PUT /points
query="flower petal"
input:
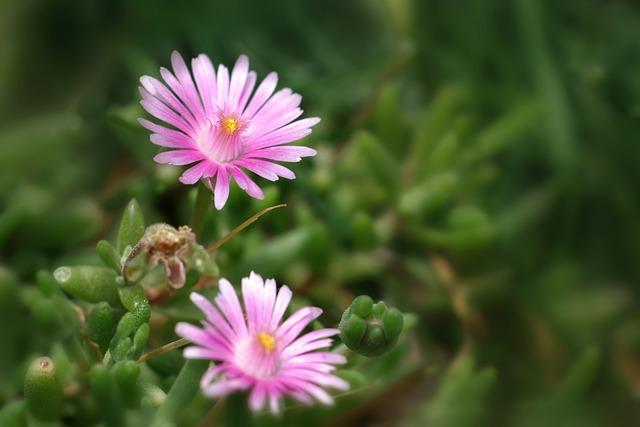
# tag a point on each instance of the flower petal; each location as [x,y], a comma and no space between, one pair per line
[221,192]
[194,173]
[184,77]
[205,77]
[264,91]
[238,79]
[179,157]
[289,153]
[245,182]
[282,302]
[223,86]
[246,91]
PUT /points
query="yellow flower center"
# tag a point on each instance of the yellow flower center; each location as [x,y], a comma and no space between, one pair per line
[268,341]
[230,125]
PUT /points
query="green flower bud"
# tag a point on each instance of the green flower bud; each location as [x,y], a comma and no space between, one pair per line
[100,325]
[131,226]
[108,255]
[107,398]
[43,390]
[91,284]
[370,329]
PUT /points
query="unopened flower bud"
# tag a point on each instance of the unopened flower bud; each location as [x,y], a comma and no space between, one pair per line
[370,329]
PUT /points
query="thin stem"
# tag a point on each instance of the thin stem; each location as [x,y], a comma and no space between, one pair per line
[242,226]
[163,349]
[200,209]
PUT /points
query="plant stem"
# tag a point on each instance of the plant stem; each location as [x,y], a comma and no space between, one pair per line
[200,209]
[242,226]
[163,349]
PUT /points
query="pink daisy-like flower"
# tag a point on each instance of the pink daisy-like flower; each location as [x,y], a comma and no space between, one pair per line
[219,124]
[257,351]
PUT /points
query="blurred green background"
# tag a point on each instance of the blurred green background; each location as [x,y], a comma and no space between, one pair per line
[478,167]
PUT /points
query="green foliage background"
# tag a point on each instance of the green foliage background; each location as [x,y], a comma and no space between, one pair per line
[478,168]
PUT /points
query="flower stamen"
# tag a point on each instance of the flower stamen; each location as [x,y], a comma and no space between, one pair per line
[268,341]
[230,125]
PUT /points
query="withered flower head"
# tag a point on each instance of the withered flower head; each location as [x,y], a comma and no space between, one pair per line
[164,243]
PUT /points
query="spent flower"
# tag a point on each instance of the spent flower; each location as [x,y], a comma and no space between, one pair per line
[168,245]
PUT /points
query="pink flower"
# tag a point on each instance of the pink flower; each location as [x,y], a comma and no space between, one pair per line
[221,126]
[257,351]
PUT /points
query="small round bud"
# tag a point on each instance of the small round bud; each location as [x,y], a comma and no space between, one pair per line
[370,329]
[43,390]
